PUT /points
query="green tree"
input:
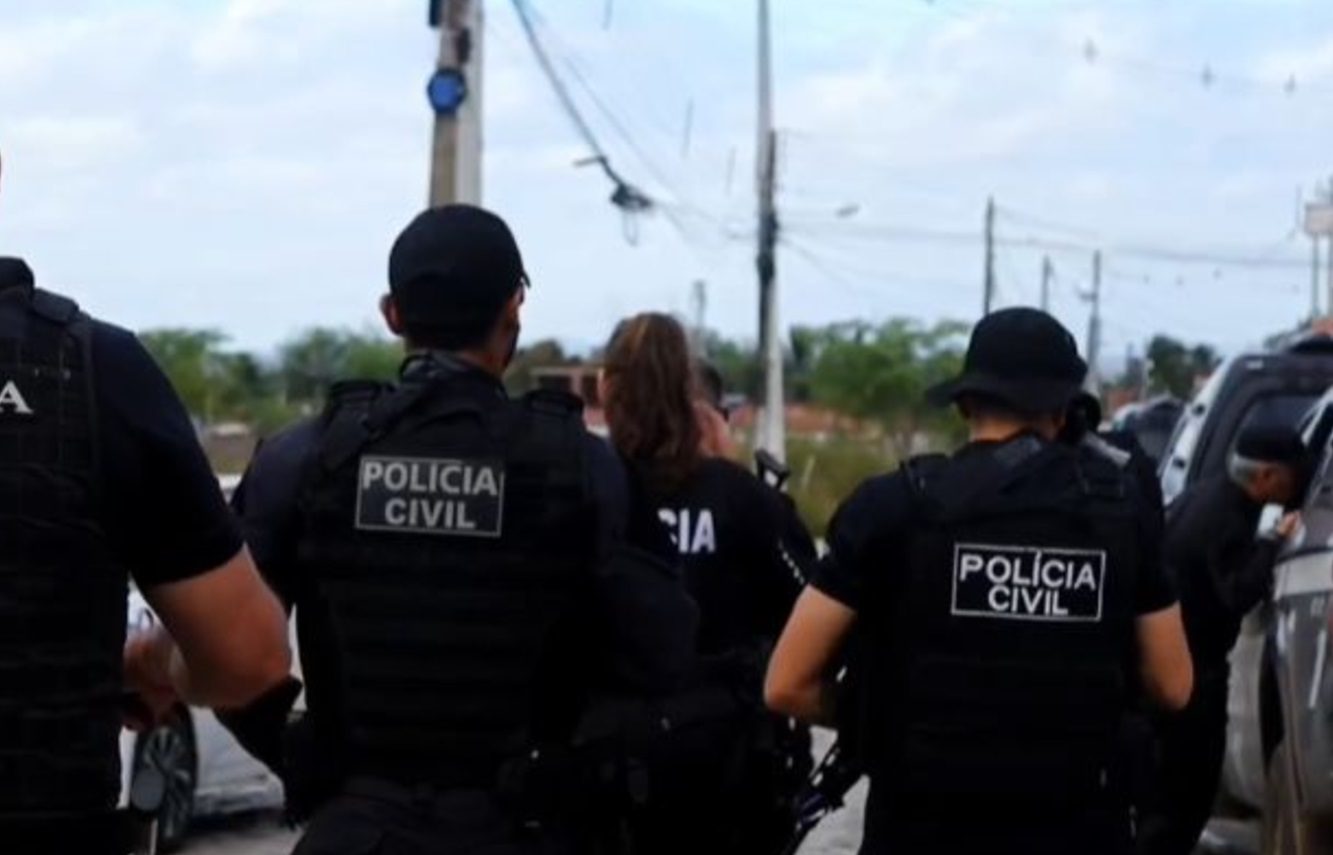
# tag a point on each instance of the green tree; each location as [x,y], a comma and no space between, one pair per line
[881,374]
[737,362]
[319,357]
[196,367]
[1174,366]
[541,354]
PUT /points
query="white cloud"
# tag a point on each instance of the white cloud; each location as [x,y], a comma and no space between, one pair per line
[262,153]
[75,142]
[1305,63]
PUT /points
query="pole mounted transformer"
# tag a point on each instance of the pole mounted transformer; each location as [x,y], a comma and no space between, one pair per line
[454,95]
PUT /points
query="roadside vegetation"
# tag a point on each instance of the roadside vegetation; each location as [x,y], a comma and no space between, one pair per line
[856,389]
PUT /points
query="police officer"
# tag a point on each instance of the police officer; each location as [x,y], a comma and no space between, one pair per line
[102,479]
[1082,425]
[722,776]
[1007,595]
[458,570]
[1223,568]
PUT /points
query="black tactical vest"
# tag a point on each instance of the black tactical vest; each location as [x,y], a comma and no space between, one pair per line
[449,533]
[62,596]
[1000,658]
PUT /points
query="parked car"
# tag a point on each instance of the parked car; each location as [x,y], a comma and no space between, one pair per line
[207,772]
[1275,388]
[1279,757]
[1151,422]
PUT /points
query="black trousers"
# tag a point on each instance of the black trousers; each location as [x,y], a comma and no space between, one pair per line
[381,823]
[1192,745]
[709,792]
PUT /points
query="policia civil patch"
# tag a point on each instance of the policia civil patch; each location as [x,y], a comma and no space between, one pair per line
[424,495]
[1028,583]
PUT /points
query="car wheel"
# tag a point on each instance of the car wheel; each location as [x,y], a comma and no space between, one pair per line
[169,750]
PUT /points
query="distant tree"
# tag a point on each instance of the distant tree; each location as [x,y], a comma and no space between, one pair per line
[881,374]
[541,354]
[195,365]
[372,357]
[737,362]
[310,363]
[1174,366]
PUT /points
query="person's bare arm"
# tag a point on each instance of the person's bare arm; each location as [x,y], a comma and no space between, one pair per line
[228,637]
[798,682]
[1165,666]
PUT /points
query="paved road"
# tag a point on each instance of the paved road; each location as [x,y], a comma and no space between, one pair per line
[257,834]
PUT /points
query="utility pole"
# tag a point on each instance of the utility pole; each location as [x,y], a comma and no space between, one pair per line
[772,433]
[988,299]
[1047,274]
[455,97]
[699,312]
[1328,199]
[1314,277]
[1095,324]
[1319,226]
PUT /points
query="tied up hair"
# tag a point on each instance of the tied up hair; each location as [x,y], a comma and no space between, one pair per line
[650,399]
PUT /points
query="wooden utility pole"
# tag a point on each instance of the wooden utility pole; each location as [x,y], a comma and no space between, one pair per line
[772,432]
[1047,274]
[455,95]
[988,297]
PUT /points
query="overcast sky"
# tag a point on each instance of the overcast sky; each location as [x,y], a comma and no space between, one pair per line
[245,164]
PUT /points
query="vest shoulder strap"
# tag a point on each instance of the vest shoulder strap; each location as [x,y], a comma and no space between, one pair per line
[346,421]
[924,470]
[1100,447]
[54,307]
[952,488]
[554,402]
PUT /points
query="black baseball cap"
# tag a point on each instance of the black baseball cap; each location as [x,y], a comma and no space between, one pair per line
[1021,357]
[1271,444]
[452,269]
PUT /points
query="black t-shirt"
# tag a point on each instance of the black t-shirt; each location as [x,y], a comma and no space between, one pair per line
[871,528]
[164,513]
[1222,569]
[745,552]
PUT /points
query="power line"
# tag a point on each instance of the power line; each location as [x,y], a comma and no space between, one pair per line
[890,232]
[625,196]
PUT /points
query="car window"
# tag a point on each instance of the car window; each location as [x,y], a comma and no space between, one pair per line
[1273,411]
[1175,466]
[1321,487]
[1153,427]
[1316,428]
[1175,463]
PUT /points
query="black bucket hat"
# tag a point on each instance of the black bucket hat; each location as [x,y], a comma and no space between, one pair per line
[1023,358]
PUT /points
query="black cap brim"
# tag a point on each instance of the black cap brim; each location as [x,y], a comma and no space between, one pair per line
[1026,396]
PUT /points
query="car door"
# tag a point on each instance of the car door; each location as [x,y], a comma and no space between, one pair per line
[1245,764]
[1300,643]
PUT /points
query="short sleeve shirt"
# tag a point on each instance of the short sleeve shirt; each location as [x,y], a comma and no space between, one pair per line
[163,510]
[870,529]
